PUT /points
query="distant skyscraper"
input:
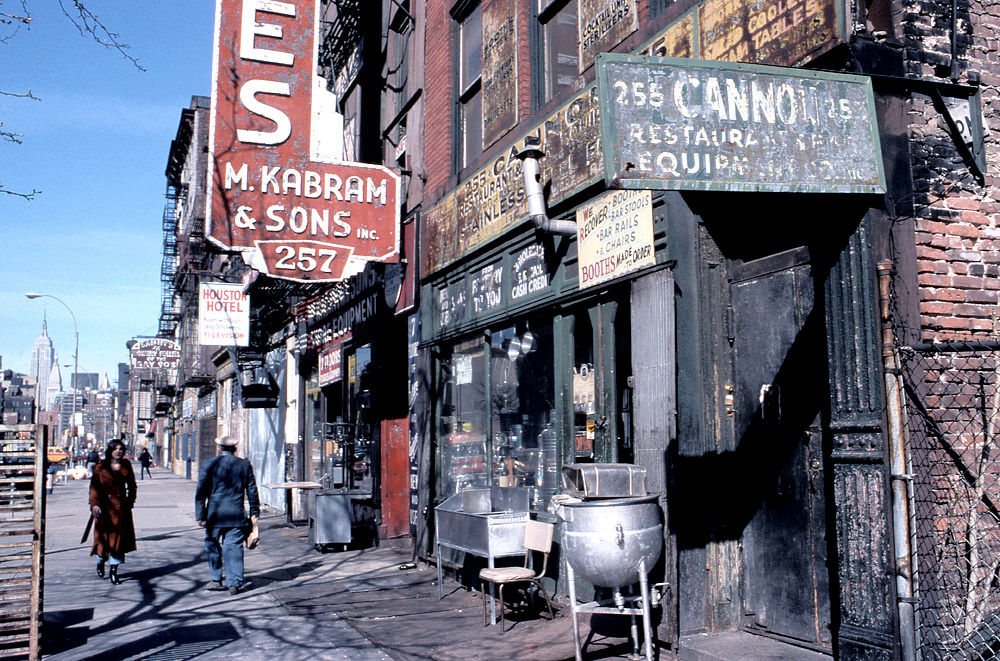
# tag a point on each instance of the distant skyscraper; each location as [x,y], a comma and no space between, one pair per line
[54,386]
[42,357]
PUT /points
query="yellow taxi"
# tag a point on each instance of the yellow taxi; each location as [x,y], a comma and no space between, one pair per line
[57,455]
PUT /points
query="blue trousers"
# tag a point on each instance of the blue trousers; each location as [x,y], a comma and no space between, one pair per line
[226,551]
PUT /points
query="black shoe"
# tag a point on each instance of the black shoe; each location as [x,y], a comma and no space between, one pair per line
[113,573]
[100,570]
[234,590]
[216,586]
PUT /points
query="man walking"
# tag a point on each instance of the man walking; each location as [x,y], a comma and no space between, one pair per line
[145,459]
[223,482]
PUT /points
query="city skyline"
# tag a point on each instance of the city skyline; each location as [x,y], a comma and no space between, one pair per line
[95,144]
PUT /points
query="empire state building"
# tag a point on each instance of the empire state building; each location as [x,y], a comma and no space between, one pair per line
[42,358]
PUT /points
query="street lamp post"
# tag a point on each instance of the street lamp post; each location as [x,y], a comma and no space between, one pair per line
[76,358]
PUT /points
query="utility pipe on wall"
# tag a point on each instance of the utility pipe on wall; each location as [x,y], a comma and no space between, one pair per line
[536,197]
[899,476]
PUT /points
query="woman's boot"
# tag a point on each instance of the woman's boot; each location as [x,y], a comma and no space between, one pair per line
[113,572]
[100,568]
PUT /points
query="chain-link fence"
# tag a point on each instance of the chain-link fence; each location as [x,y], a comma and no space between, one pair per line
[953,403]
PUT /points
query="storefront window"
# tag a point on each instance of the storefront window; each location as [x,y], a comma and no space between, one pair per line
[314,419]
[462,425]
[584,389]
[522,404]
[496,420]
[357,450]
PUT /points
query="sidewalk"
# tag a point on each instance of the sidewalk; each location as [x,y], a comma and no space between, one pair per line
[301,604]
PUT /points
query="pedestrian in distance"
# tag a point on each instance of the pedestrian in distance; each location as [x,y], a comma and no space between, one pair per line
[145,460]
[93,457]
[223,483]
[112,496]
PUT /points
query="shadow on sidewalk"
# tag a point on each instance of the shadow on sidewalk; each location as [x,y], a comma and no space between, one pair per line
[180,643]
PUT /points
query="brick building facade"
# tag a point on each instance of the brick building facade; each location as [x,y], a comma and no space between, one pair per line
[726,285]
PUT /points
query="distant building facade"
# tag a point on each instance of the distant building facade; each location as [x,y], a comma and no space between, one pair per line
[18,399]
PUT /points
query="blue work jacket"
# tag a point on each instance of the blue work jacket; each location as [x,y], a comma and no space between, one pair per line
[223,481]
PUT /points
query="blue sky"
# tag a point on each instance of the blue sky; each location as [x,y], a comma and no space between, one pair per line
[96,145]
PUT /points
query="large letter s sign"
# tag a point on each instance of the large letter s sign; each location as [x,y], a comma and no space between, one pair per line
[283,125]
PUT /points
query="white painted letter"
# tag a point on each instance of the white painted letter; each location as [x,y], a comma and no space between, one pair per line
[250,28]
[233,177]
[283,125]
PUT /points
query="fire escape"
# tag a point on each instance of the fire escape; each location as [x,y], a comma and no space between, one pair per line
[169,312]
[342,23]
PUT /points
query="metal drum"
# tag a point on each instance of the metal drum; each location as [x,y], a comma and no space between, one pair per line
[604,541]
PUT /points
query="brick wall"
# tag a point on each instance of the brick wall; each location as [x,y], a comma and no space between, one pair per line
[439,81]
[956,218]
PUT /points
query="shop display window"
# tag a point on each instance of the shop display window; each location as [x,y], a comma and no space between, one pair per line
[522,402]
[495,427]
[584,389]
[315,414]
[356,438]
[339,441]
[462,424]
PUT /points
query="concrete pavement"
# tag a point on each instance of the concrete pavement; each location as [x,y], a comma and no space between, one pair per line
[301,604]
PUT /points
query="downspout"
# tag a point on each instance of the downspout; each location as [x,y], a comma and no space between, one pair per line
[536,197]
[899,477]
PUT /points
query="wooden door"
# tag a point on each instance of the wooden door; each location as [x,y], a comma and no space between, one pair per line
[779,384]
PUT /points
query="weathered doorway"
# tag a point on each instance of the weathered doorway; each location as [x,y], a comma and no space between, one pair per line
[779,386]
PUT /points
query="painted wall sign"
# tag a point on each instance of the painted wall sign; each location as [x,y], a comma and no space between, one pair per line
[154,354]
[784,32]
[487,288]
[614,236]
[223,315]
[499,69]
[451,303]
[529,273]
[493,200]
[329,367]
[280,188]
[675,41]
[603,24]
[695,125]
[338,313]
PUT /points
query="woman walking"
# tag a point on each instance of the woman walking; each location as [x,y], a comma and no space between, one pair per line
[112,495]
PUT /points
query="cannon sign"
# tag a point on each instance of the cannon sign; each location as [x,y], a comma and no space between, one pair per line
[675,124]
[279,186]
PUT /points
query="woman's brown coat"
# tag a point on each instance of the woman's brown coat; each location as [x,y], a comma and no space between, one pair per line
[114,492]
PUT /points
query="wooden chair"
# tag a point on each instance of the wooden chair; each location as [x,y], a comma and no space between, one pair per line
[537,538]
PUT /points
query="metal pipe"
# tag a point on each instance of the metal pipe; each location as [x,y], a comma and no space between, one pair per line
[536,197]
[899,476]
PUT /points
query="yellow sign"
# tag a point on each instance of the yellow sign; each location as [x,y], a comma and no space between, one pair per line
[615,236]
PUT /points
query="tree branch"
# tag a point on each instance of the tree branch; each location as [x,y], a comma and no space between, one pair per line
[26,95]
[17,20]
[88,23]
[27,196]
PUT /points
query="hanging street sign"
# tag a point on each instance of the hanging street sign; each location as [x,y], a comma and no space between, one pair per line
[280,188]
[223,315]
[678,124]
[154,353]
